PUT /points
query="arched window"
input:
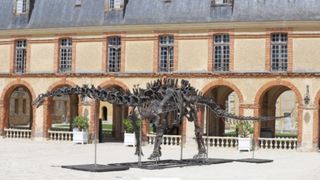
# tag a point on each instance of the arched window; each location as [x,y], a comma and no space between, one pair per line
[20,108]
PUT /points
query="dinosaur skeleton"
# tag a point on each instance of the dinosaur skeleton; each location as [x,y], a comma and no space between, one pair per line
[154,104]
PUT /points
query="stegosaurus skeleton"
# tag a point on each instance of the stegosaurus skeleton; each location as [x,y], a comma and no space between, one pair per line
[160,97]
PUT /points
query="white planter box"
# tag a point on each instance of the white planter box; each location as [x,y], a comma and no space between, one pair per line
[245,144]
[80,136]
[129,139]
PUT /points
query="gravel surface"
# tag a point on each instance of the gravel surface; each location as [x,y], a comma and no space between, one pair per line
[41,160]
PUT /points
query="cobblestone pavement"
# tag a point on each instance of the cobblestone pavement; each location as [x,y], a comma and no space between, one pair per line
[41,160]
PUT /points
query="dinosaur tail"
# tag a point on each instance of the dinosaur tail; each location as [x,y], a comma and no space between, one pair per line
[219,112]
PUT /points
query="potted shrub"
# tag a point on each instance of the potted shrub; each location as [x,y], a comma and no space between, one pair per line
[80,126]
[244,130]
[129,136]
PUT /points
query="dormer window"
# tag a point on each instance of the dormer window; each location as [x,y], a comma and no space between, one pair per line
[21,6]
[78,3]
[221,2]
[115,4]
[111,4]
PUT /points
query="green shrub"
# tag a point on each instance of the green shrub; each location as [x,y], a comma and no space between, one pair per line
[80,122]
[128,125]
[231,134]
[244,128]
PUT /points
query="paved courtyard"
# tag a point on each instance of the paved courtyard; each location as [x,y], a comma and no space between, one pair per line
[33,160]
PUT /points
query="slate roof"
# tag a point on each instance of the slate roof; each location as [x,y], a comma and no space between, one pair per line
[64,13]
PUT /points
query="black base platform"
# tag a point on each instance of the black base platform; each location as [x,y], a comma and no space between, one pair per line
[163,164]
[97,168]
[254,160]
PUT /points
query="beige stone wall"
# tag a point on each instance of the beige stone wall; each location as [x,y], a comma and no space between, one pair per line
[249,55]
[306,54]
[5,58]
[88,57]
[42,58]
[193,56]
[139,56]
[192,53]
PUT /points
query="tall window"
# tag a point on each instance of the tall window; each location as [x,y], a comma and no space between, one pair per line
[279,52]
[65,62]
[166,54]
[114,54]
[21,6]
[21,56]
[221,52]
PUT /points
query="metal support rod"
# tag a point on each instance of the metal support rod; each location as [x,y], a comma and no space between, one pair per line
[140,140]
[207,124]
[95,140]
[253,148]
[181,145]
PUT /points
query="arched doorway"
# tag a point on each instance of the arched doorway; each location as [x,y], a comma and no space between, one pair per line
[111,116]
[279,100]
[62,110]
[104,113]
[227,98]
[20,109]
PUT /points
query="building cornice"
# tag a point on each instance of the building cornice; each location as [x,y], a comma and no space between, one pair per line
[156,27]
[159,75]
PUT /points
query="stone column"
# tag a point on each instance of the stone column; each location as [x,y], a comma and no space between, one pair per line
[316,128]
[39,125]
[1,117]
[305,129]
[88,108]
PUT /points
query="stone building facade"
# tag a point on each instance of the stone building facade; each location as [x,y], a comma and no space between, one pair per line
[256,49]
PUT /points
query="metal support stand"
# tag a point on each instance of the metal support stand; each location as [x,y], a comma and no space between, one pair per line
[181,147]
[95,141]
[253,159]
[207,124]
[140,140]
[253,147]
[96,167]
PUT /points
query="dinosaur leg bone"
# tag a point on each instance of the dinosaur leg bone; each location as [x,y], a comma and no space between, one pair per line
[198,132]
[133,118]
[158,140]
